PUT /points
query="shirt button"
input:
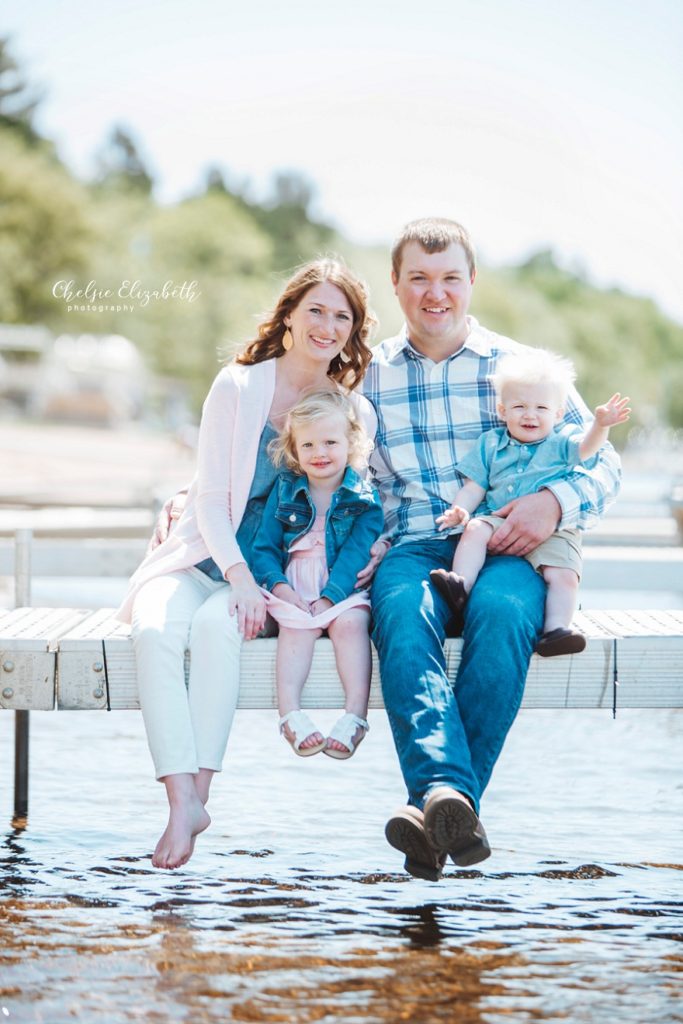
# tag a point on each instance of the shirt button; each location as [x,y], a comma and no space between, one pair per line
[521,469]
[510,487]
[292,518]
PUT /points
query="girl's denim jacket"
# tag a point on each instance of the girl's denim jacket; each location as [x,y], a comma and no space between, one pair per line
[353,523]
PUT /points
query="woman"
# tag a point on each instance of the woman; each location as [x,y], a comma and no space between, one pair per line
[195,590]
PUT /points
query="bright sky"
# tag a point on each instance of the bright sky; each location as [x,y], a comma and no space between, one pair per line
[535,122]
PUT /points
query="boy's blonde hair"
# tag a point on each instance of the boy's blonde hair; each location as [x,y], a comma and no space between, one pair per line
[314,405]
[534,366]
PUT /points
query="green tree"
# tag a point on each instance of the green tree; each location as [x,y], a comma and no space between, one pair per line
[120,165]
[618,342]
[215,180]
[210,240]
[286,216]
[18,101]
[45,231]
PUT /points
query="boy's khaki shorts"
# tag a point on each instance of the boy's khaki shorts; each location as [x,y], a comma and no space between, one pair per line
[561,551]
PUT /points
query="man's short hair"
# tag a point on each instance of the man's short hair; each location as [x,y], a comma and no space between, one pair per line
[434,234]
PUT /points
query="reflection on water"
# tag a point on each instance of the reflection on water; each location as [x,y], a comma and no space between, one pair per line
[294,909]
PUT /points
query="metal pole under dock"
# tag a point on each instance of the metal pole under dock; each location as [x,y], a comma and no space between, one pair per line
[22,599]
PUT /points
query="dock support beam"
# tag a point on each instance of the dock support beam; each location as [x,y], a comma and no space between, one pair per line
[22,599]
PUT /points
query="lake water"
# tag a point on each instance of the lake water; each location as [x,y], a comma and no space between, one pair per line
[294,908]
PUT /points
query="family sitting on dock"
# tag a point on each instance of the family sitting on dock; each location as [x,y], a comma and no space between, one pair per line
[450,420]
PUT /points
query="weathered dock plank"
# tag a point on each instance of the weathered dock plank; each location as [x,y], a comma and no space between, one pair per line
[95,664]
[28,655]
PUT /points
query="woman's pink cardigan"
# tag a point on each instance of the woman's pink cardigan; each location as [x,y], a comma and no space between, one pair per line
[234,415]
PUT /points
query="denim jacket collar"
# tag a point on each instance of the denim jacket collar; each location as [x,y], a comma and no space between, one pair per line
[351,483]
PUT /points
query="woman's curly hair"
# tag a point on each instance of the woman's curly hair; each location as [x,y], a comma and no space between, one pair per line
[349,366]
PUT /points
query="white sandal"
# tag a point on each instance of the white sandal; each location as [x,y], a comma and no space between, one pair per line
[343,731]
[300,725]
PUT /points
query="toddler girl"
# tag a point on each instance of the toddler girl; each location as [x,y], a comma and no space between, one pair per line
[319,523]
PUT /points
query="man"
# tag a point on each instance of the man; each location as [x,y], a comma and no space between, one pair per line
[433,398]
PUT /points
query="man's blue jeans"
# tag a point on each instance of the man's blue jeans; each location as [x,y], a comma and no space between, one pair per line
[452,735]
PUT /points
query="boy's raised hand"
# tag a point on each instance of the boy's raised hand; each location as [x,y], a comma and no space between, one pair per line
[453,516]
[615,411]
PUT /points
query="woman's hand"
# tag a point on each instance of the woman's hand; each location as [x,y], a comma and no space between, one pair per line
[377,553]
[246,600]
[171,510]
[320,605]
[288,594]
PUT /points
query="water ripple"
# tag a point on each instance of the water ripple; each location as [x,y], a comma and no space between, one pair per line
[581,919]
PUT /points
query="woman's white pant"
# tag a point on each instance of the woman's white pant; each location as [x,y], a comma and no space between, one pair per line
[187,728]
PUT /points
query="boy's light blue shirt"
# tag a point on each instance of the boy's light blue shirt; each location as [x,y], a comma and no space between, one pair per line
[508,469]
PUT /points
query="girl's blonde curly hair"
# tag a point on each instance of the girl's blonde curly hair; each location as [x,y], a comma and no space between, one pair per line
[313,405]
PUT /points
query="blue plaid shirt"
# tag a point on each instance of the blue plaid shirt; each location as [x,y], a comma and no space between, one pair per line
[431,414]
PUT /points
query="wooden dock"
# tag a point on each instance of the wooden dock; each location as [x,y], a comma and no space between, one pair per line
[75,660]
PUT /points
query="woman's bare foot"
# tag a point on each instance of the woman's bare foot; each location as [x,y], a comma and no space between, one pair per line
[202,783]
[187,818]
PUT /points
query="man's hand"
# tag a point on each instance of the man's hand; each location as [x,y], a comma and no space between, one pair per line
[528,522]
[377,553]
[614,411]
[171,510]
[246,600]
[288,594]
[453,516]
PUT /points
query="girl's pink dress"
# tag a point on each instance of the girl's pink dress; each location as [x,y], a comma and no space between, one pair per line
[307,574]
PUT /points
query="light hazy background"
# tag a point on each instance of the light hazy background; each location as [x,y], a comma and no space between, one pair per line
[538,124]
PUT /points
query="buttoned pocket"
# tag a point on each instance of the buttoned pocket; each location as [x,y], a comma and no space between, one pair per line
[293,517]
[343,518]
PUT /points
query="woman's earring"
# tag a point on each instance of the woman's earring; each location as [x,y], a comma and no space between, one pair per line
[287,340]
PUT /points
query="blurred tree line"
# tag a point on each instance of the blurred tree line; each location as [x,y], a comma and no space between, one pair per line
[54,227]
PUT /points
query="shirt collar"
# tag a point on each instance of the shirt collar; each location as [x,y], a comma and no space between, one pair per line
[476,341]
[351,482]
[507,441]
